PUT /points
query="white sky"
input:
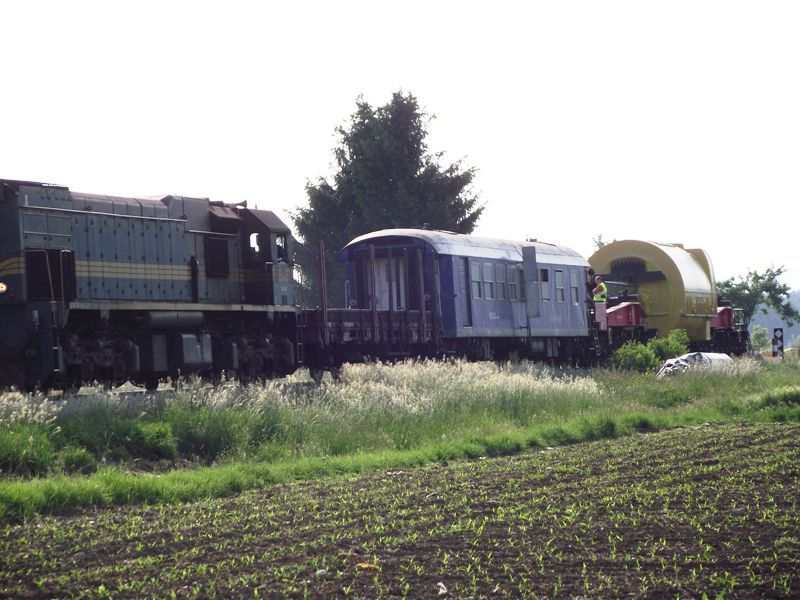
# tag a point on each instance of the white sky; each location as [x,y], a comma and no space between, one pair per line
[672,121]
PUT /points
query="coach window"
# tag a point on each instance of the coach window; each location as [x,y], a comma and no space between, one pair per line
[488,281]
[573,281]
[544,282]
[560,296]
[475,277]
[512,283]
[500,279]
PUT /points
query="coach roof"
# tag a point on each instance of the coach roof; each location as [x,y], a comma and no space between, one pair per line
[457,244]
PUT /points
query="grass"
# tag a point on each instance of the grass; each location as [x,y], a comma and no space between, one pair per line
[205,441]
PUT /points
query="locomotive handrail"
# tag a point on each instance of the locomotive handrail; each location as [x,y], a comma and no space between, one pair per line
[45,233]
[214,233]
[101,214]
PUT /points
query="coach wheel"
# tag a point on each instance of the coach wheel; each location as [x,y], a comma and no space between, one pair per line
[119,370]
[87,369]
[316,374]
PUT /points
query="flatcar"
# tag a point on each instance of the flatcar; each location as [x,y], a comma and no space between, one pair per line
[108,288]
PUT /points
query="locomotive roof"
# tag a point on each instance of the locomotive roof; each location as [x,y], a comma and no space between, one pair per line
[459,244]
[226,217]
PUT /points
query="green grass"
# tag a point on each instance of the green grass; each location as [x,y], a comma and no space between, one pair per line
[107,451]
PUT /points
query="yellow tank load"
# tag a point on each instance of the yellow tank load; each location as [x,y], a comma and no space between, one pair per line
[676,286]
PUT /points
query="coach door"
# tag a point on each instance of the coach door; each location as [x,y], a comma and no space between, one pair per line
[531,273]
[464,300]
[390,282]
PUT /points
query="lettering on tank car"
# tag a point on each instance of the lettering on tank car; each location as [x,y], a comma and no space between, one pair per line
[698,305]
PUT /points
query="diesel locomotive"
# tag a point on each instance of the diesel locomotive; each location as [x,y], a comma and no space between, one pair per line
[107,288]
[104,288]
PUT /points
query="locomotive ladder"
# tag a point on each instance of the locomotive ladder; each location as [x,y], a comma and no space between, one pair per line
[596,342]
[300,333]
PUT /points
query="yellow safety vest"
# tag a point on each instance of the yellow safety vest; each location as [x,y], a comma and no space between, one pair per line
[601,296]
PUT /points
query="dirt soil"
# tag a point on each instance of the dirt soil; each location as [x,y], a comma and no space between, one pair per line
[703,510]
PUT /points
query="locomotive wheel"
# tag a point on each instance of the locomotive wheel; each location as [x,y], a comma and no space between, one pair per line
[119,370]
[87,369]
[12,374]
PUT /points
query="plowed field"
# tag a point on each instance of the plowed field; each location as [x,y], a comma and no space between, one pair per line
[703,510]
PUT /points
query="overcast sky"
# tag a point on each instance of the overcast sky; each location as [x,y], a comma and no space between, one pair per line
[672,121]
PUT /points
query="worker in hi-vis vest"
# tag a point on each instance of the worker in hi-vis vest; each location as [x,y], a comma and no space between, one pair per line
[600,291]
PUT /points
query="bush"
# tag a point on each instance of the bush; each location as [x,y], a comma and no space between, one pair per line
[787,395]
[104,432]
[206,433]
[666,398]
[675,344]
[597,428]
[101,430]
[25,450]
[634,356]
[158,441]
[638,422]
[76,460]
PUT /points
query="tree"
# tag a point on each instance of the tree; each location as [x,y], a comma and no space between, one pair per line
[759,337]
[386,179]
[757,291]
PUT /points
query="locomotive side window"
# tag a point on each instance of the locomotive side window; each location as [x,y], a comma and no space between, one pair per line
[475,277]
[544,278]
[50,274]
[488,281]
[560,296]
[217,264]
[255,247]
[280,246]
[500,279]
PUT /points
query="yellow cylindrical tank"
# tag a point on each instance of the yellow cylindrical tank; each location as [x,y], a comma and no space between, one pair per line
[676,286]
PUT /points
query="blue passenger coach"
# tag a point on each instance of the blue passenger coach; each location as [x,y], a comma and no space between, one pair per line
[487,298]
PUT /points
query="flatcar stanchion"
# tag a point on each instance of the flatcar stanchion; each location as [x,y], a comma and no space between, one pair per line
[777,342]
[323,294]
[373,299]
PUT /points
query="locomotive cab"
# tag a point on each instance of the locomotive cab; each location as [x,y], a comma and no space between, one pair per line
[266,262]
